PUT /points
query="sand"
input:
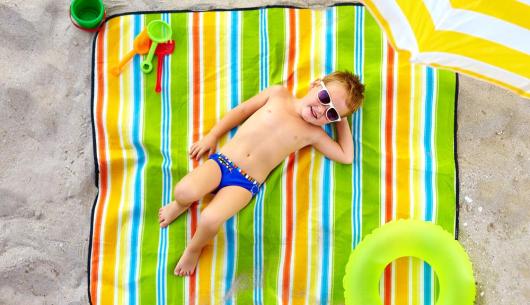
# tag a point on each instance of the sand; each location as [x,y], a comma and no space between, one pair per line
[47,171]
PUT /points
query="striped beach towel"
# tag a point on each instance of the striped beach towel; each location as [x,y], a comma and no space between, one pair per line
[291,243]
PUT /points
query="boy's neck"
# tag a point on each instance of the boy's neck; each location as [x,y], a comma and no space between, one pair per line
[297,105]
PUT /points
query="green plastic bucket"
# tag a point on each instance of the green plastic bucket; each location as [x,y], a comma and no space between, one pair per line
[87,14]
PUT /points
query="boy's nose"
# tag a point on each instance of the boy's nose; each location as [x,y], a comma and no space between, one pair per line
[321,109]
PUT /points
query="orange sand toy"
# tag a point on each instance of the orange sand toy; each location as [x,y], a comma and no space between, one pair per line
[141,45]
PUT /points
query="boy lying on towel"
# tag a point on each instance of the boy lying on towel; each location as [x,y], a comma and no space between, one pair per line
[277,124]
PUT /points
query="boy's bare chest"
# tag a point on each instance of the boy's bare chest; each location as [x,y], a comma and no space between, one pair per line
[273,123]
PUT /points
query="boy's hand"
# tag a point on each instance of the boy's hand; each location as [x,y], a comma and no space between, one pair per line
[206,144]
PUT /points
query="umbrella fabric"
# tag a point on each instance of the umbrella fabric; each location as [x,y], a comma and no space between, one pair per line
[291,243]
[489,40]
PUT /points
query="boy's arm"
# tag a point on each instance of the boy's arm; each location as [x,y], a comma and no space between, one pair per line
[340,151]
[240,113]
[230,120]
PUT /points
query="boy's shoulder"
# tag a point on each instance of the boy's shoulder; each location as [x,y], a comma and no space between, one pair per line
[278,91]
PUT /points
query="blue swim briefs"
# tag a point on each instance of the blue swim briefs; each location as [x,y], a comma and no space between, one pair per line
[233,175]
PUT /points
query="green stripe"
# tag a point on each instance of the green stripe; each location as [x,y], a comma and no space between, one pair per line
[179,148]
[272,206]
[342,178]
[371,152]
[249,88]
[444,144]
[153,185]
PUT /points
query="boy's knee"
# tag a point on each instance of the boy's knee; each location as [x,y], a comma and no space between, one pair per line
[209,221]
[185,194]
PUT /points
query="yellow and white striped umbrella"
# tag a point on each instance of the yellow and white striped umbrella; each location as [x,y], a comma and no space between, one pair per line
[486,39]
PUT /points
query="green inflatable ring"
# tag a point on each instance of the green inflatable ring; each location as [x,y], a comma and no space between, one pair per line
[415,238]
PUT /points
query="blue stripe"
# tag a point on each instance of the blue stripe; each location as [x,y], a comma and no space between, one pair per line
[427,143]
[356,130]
[166,178]
[138,187]
[234,101]
[258,209]
[258,248]
[326,192]
[234,72]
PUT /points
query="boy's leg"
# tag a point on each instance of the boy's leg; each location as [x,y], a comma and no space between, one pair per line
[226,203]
[199,182]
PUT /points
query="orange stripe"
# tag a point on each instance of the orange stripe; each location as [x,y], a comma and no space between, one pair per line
[292,50]
[286,277]
[389,155]
[95,259]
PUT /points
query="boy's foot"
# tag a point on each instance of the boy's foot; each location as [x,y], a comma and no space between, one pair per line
[167,214]
[187,262]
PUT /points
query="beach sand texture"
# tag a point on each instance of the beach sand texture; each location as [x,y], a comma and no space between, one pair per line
[47,165]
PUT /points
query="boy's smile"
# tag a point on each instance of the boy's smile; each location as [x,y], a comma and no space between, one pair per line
[311,109]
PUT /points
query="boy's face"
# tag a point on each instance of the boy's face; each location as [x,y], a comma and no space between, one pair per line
[314,112]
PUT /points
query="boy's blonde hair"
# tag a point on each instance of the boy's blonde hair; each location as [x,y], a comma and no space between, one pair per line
[352,84]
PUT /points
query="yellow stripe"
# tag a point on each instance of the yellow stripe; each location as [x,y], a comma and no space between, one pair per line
[417,181]
[304,160]
[223,98]
[209,119]
[116,168]
[508,10]
[402,167]
[126,40]
[315,179]
[403,135]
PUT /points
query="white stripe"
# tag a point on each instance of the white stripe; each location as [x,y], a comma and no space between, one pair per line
[447,18]
[470,64]
[412,102]
[117,270]
[399,26]
[382,145]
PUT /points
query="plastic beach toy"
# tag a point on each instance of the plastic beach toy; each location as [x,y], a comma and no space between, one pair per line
[140,46]
[158,31]
[415,238]
[161,51]
[87,14]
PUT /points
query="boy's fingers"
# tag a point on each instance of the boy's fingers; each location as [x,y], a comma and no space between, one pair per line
[200,153]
